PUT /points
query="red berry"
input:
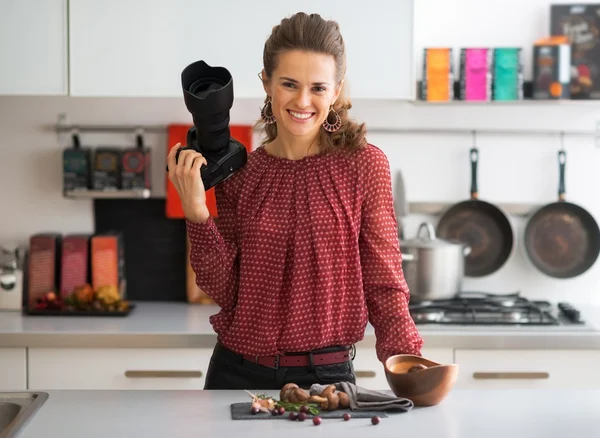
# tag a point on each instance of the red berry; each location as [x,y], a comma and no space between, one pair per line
[375,419]
[293,416]
[275,412]
[281,410]
[304,409]
[301,416]
[316,421]
[347,416]
[255,411]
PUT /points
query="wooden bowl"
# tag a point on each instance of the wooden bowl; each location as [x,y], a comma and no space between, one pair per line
[425,387]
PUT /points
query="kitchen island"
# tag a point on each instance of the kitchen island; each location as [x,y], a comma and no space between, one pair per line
[180,325]
[178,414]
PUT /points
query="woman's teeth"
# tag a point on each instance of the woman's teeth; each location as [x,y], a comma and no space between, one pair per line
[303,116]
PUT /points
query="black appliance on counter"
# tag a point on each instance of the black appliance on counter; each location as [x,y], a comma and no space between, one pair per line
[479,308]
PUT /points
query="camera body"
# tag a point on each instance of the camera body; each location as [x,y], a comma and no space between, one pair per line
[221,164]
[208,96]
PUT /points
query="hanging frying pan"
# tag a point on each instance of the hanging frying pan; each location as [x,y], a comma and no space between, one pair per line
[482,226]
[562,239]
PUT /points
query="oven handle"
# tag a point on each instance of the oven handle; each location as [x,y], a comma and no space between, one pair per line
[511,375]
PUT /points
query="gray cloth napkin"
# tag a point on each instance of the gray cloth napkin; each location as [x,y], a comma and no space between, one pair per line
[362,399]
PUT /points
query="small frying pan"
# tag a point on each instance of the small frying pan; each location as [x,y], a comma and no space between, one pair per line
[562,239]
[480,225]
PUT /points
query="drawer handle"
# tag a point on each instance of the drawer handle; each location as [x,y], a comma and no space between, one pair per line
[137,374]
[362,374]
[511,375]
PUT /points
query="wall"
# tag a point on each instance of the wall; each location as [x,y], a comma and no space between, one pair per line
[435,167]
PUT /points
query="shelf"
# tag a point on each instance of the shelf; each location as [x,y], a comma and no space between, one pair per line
[437,208]
[108,194]
[522,102]
[527,99]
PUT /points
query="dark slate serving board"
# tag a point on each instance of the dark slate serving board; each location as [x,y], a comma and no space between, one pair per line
[241,411]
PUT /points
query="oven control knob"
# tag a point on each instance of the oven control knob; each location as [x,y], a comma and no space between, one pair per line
[569,312]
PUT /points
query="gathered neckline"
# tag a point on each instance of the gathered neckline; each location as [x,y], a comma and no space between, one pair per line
[288,161]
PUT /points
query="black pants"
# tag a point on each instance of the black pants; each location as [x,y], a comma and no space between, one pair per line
[228,370]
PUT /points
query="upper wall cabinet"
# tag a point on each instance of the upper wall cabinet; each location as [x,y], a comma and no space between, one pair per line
[139,48]
[480,24]
[33,47]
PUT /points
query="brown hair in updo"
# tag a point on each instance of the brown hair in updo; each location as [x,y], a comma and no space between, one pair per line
[312,33]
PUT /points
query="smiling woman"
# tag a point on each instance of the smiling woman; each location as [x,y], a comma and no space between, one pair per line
[306,250]
[303,76]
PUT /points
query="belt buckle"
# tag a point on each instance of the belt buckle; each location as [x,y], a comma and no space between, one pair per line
[276,365]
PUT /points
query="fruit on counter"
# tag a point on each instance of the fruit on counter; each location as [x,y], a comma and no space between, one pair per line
[375,420]
[84,298]
[417,367]
[316,420]
[83,293]
[48,301]
[108,294]
[347,416]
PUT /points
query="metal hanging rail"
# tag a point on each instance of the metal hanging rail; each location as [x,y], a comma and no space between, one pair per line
[62,129]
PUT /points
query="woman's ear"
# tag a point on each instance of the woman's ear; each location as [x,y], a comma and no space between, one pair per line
[266,82]
[338,91]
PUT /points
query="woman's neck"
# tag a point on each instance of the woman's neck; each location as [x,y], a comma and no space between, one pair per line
[293,148]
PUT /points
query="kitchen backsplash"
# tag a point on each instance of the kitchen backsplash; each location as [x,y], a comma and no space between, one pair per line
[512,169]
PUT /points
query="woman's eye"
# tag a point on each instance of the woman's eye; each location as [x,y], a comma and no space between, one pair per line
[319,89]
[288,84]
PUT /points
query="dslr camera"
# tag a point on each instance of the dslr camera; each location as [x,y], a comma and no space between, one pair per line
[208,96]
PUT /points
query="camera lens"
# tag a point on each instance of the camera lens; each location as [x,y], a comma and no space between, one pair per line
[208,96]
[202,87]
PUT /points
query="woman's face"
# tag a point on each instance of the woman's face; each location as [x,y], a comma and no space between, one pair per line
[302,90]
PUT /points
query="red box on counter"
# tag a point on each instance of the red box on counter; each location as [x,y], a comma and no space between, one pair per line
[108,262]
[74,263]
[44,266]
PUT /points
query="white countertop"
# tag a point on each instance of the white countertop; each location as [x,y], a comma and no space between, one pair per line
[179,414]
[162,324]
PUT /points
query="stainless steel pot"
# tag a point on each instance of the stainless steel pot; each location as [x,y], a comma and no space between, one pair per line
[434,268]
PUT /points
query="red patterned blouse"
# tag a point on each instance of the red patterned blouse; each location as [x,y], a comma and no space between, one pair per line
[305,253]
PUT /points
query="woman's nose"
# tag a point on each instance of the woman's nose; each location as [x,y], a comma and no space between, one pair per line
[303,100]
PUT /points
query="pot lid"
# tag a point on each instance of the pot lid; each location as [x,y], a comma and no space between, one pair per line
[429,240]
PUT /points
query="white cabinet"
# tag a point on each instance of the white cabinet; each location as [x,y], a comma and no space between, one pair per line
[478,24]
[370,372]
[13,369]
[116,368]
[33,47]
[139,48]
[514,369]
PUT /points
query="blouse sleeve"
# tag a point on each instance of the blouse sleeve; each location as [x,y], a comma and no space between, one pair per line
[213,253]
[386,291]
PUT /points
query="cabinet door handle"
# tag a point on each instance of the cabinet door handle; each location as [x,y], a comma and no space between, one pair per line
[511,375]
[140,374]
[363,374]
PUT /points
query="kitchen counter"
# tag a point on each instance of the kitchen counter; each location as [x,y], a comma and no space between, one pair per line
[178,414]
[180,325]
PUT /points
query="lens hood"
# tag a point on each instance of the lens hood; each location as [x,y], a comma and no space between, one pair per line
[207,90]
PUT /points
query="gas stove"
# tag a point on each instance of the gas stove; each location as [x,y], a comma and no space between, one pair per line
[478,308]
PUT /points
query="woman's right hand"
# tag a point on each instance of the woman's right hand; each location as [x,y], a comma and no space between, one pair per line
[185,176]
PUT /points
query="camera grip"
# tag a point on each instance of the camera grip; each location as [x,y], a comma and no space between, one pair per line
[177,156]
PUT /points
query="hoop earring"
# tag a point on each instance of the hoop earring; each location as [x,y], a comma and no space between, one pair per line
[268,119]
[329,127]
